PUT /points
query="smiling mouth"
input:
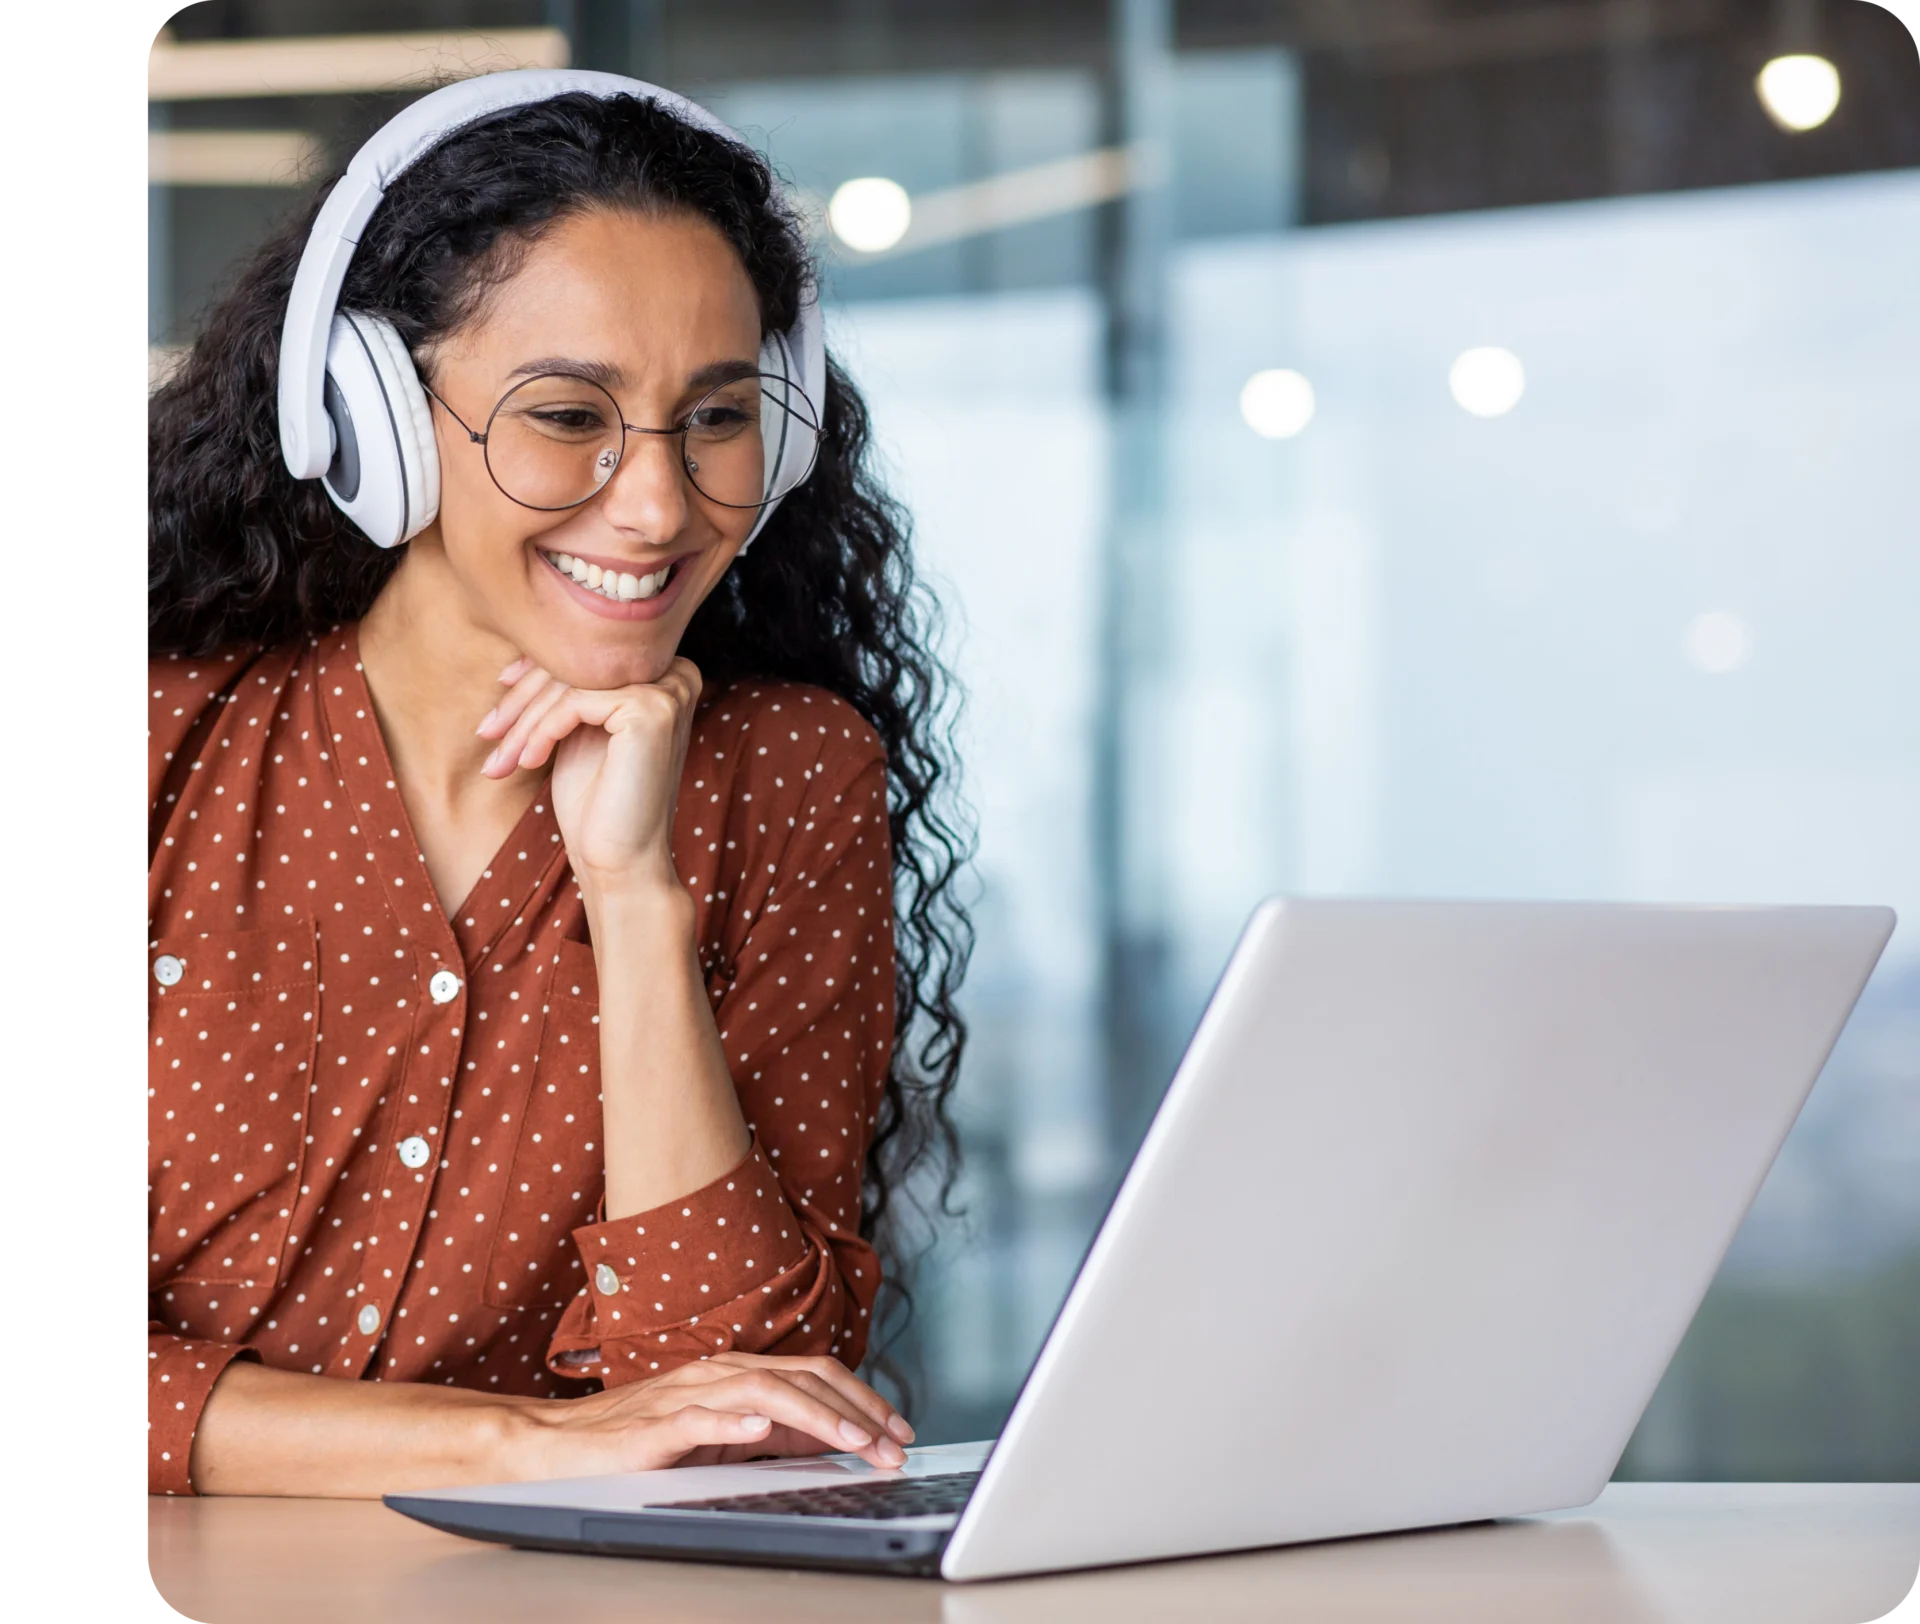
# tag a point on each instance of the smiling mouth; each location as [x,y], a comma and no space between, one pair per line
[617,586]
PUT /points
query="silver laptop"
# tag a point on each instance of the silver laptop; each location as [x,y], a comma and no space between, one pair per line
[1425,1210]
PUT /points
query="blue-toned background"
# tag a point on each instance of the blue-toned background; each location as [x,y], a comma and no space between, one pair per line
[1650,632]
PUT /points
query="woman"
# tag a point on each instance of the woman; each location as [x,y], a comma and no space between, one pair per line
[528,995]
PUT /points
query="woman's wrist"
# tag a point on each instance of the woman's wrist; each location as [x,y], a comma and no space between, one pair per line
[508,1436]
[649,912]
[270,1431]
[671,1116]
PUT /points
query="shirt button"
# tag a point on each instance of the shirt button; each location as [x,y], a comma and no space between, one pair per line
[445,986]
[369,1320]
[415,1152]
[167,970]
[605,1281]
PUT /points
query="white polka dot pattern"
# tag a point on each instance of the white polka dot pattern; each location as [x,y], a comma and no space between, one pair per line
[309,1036]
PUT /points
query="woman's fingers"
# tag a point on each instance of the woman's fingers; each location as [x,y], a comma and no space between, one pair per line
[542,731]
[696,1426]
[770,1393]
[850,1389]
[508,753]
[529,682]
[863,1419]
[725,1408]
[560,704]
[538,711]
[683,677]
[854,1400]
[550,717]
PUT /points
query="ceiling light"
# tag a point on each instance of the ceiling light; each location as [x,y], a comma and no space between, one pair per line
[1799,92]
[1717,642]
[1487,381]
[871,214]
[1277,403]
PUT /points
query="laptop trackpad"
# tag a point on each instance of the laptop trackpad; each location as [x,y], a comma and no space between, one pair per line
[816,1467]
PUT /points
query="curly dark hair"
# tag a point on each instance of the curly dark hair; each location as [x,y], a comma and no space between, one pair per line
[240,554]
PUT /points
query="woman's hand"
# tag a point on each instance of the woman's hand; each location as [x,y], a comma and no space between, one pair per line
[728,1407]
[617,756]
[267,1431]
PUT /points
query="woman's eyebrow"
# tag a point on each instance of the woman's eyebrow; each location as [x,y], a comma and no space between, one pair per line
[719,372]
[603,373]
[610,377]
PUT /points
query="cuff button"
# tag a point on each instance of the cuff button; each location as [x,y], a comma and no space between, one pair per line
[605,1281]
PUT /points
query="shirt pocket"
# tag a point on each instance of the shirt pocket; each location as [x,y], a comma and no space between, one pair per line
[230,1029]
[558,1173]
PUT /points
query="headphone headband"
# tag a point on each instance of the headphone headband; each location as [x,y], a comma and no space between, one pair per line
[307,439]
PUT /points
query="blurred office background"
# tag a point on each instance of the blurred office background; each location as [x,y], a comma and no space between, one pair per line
[1447,447]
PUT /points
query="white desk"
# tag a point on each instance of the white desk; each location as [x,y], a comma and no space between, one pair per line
[1647,1553]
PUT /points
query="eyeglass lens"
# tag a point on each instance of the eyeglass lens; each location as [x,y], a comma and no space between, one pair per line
[554,440]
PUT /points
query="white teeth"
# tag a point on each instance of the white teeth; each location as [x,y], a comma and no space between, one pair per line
[621,586]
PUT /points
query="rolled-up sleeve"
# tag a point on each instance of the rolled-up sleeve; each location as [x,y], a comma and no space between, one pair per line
[181,1371]
[729,1266]
[769,1258]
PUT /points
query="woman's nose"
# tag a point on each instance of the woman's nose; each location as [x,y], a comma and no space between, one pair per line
[648,492]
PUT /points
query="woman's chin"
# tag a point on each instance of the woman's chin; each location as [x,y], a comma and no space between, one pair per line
[615,667]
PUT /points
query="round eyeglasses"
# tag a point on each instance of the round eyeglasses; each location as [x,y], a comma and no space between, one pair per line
[554,440]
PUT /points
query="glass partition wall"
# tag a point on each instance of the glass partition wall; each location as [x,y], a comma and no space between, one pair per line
[1455,448]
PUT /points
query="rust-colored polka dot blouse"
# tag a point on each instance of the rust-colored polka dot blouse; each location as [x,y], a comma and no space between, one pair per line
[374,1131]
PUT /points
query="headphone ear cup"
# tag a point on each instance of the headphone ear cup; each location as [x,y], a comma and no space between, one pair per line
[775,440]
[413,412]
[385,474]
[788,455]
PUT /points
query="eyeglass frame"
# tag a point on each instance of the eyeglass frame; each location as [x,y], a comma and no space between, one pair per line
[626,428]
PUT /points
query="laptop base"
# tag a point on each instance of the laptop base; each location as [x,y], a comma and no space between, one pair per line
[780,1542]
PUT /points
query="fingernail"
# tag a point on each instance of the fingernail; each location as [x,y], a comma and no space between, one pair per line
[493,760]
[891,1452]
[897,1425]
[754,1423]
[854,1435]
[506,673]
[487,720]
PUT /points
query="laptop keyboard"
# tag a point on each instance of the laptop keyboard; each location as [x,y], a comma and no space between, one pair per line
[876,1500]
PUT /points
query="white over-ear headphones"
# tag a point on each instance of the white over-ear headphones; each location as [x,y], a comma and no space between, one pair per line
[353,413]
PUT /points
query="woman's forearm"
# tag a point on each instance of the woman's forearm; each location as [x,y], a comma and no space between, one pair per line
[269,1431]
[672,1118]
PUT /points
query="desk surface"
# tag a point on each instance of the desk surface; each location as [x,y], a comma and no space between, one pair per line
[1666,1552]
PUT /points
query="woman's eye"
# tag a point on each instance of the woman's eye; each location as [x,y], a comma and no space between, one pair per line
[571,419]
[712,418]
